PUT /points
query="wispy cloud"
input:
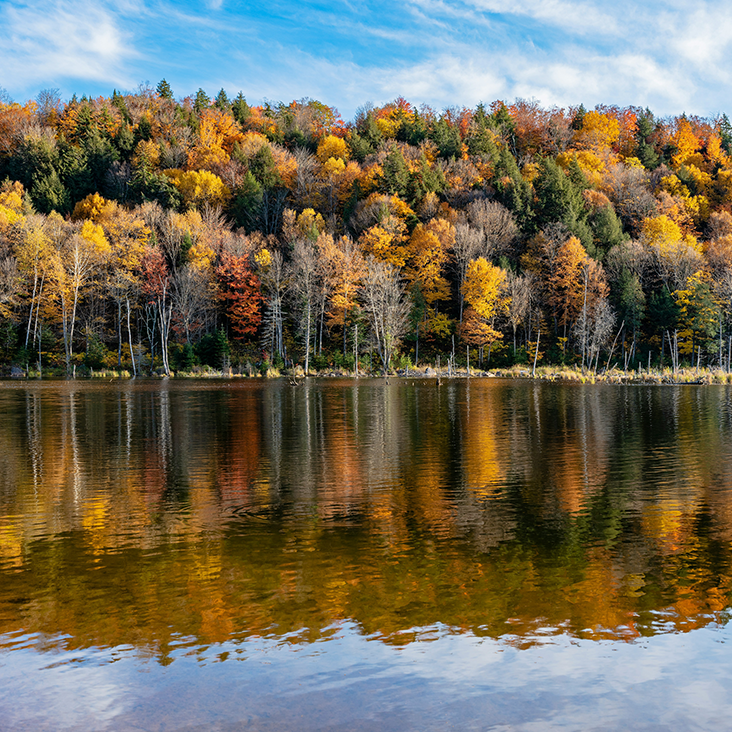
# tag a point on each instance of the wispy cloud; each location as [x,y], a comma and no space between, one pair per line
[41,43]
[671,56]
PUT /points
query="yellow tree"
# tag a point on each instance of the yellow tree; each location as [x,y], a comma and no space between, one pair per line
[599,132]
[33,252]
[676,255]
[385,241]
[200,187]
[687,144]
[81,252]
[332,147]
[217,135]
[344,267]
[428,256]
[699,312]
[485,294]
[565,281]
[128,236]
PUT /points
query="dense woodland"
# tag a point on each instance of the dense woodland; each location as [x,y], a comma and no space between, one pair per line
[148,233]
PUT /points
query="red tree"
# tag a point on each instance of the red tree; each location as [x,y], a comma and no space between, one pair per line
[239,290]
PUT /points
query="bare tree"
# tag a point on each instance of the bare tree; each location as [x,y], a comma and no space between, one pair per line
[8,284]
[628,190]
[600,324]
[520,289]
[386,308]
[497,223]
[306,192]
[304,285]
[468,246]
[49,103]
[274,278]
[192,299]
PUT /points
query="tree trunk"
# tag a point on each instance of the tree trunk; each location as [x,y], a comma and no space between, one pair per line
[129,337]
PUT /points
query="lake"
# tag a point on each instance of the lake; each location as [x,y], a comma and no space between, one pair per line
[486,554]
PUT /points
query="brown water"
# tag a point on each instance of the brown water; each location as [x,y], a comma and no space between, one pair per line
[357,555]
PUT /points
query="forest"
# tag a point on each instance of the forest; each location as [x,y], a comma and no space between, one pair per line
[146,233]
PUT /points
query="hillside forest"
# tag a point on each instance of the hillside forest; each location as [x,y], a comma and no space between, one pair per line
[148,233]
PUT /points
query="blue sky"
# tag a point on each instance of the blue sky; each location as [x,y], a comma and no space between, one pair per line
[673,56]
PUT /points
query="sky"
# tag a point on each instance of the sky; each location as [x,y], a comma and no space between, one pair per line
[670,56]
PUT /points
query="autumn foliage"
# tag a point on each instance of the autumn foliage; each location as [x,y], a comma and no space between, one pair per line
[151,225]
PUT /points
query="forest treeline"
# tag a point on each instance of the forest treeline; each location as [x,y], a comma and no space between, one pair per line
[144,232]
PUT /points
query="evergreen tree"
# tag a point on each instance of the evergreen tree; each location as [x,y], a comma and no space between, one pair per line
[645,151]
[579,117]
[395,175]
[222,102]
[240,109]
[559,198]
[163,90]
[201,101]
[447,138]
[607,231]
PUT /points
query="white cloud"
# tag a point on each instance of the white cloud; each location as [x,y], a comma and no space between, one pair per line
[575,16]
[42,42]
[670,57]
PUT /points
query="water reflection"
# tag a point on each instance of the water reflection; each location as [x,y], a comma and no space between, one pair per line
[146,515]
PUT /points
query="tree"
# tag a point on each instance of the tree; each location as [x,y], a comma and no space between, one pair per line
[520,290]
[559,198]
[566,280]
[164,90]
[34,255]
[304,281]
[593,320]
[395,175]
[385,307]
[81,254]
[218,133]
[345,268]
[469,245]
[240,109]
[428,250]
[484,290]
[676,255]
[156,288]
[222,101]
[275,278]
[192,299]
[200,187]
[240,291]
[496,223]
[385,241]
[699,313]
[201,101]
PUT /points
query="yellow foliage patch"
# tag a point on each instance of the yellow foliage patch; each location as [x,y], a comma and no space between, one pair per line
[147,155]
[332,147]
[94,234]
[93,207]
[199,187]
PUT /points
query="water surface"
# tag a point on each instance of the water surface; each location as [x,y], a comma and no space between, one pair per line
[364,555]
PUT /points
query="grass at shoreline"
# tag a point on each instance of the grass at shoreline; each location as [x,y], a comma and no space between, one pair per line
[543,373]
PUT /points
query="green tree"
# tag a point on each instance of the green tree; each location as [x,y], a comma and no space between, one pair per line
[447,138]
[222,101]
[559,198]
[645,151]
[240,109]
[395,175]
[201,101]
[163,89]
[607,231]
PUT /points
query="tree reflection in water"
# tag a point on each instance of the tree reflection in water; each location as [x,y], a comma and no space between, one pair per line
[143,513]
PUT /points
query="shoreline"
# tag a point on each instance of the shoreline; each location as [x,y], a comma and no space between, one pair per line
[690,376]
